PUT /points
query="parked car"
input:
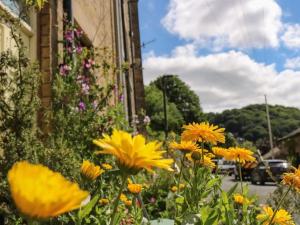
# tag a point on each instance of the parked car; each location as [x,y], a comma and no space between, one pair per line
[277,167]
[246,170]
[224,166]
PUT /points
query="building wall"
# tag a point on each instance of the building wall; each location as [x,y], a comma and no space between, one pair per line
[28,31]
[112,24]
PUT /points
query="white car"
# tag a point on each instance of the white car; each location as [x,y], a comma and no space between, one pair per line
[224,166]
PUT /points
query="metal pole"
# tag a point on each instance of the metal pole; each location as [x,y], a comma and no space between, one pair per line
[165,107]
[269,127]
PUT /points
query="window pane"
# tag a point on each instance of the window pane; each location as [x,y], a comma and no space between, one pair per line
[16,7]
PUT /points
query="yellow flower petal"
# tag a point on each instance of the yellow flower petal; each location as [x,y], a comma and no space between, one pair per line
[132,153]
[39,192]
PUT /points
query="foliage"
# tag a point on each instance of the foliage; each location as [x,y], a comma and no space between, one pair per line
[19,105]
[71,127]
[179,93]
[291,203]
[155,109]
[250,122]
[81,108]
[36,3]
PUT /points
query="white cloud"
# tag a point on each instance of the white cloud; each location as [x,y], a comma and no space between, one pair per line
[227,80]
[292,63]
[291,36]
[225,23]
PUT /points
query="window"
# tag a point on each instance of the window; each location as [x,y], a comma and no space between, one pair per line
[17,8]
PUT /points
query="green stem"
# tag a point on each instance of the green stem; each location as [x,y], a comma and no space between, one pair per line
[180,173]
[279,204]
[202,153]
[140,199]
[241,177]
[178,184]
[116,202]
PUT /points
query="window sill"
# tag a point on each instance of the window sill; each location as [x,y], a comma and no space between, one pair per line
[25,28]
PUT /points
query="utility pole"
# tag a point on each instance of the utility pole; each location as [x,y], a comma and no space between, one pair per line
[269,127]
[165,106]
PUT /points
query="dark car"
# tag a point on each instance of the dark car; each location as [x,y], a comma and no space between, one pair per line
[246,169]
[277,168]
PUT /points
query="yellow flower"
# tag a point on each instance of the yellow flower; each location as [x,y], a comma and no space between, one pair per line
[128,202]
[132,153]
[203,132]
[218,151]
[174,189]
[282,217]
[103,201]
[123,197]
[41,193]
[125,200]
[90,171]
[106,166]
[184,146]
[240,155]
[292,179]
[239,199]
[181,186]
[206,161]
[134,188]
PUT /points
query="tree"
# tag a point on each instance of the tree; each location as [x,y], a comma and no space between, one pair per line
[154,108]
[179,93]
[250,122]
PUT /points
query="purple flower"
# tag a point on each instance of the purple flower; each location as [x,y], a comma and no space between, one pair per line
[64,69]
[81,106]
[79,49]
[69,35]
[78,32]
[152,200]
[80,79]
[146,120]
[95,104]
[121,98]
[85,88]
[88,63]
[69,50]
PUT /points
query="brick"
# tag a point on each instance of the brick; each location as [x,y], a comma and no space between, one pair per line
[44,19]
[46,77]
[45,52]
[45,40]
[46,102]
[45,29]
[45,64]
[46,90]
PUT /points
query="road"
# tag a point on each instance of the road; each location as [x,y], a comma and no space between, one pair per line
[262,191]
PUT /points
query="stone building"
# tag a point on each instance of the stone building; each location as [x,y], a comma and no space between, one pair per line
[113,24]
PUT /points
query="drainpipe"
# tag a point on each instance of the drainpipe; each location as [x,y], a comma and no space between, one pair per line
[67,5]
[121,54]
[126,59]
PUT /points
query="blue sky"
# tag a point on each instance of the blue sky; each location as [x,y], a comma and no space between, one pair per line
[231,52]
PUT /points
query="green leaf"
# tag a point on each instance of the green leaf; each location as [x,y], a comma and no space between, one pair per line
[180,200]
[162,222]
[88,208]
[231,190]
[211,183]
